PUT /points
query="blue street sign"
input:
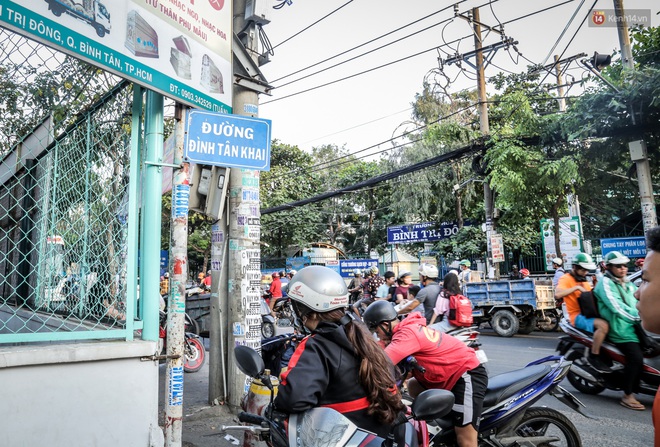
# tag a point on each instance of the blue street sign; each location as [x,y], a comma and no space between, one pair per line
[633,247]
[218,139]
[422,232]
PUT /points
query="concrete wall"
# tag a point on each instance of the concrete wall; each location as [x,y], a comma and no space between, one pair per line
[82,394]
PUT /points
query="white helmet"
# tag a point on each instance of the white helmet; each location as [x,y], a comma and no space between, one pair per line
[428,270]
[558,261]
[318,288]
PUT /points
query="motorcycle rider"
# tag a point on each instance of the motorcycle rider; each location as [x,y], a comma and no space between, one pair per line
[569,288]
[355,287]
[616,304]
[648,305]
[403,285]
[340,365]
[450,287]
[275,291]
[557,264]
[449,364]
[428,277]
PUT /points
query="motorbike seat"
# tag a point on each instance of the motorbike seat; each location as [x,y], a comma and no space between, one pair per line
[509,383]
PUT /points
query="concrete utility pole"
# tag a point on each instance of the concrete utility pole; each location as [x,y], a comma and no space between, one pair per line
[493,268]
[244,269]
[176,304]
[572,199]
[638,152]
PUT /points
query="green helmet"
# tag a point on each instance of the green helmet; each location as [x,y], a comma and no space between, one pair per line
[615,257]
[584,260]
[465,262]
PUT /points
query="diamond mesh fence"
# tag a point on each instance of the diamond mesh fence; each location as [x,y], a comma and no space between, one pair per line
[64,161]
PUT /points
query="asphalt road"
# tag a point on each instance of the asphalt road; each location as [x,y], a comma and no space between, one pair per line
[614,426]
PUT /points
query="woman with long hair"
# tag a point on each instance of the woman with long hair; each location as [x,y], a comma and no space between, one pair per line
[450,287]
[340,365]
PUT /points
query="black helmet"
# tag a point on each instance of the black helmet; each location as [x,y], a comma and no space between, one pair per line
[377,313]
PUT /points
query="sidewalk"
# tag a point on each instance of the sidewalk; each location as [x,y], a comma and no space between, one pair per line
[199,418]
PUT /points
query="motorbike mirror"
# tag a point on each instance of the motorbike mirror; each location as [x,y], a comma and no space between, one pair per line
[249,361]
[432,404]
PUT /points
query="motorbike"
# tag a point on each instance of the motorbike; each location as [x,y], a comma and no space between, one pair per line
[283,311]
[576,345]
[509,417]
[325,426]
[193,348]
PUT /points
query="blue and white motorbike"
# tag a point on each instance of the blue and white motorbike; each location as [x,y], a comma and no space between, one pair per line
[509,417]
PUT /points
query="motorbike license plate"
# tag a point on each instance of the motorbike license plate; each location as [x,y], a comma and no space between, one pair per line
[481,355]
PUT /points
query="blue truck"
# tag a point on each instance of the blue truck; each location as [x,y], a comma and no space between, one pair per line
[513,307]
[92,12]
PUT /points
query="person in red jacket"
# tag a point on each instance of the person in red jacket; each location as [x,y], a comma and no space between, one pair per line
[449,364]
[340,365]
[275,291]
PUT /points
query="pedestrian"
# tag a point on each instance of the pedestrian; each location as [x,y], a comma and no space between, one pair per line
[557,265]
[165,284]
[207,280]
[428,277]
[384,289]
[648,305]
[449,364]
[284,281]
[340,366]
[515,273]
[464,275]
[616,304]
[401,291]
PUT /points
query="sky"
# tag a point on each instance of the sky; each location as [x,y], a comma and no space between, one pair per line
[365,111]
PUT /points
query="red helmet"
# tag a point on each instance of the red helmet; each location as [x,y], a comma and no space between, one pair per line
[639,262]
[275,275]
[524,272]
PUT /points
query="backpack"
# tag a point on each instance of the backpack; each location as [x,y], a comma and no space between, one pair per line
[460,311]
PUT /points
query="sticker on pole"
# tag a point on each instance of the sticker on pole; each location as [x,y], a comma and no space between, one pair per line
[218,139]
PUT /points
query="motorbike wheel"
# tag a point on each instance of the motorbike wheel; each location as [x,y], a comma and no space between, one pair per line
[580,383]
[550,323]
[194,355]
[267,330]
[528,326]
[548,422]
[505,323]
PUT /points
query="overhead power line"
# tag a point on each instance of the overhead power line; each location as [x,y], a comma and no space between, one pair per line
[311,25]
[458,153]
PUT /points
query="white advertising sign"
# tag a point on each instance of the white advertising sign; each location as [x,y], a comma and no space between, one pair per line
[180,48]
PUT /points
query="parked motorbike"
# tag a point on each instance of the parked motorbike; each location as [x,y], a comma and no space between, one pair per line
[576,345]
[193,348]
[325,426]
